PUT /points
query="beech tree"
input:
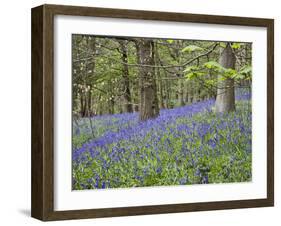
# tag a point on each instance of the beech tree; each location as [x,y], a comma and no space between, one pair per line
[124,75]
[225,100]
[148,94]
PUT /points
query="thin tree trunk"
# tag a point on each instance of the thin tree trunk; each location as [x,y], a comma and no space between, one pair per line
[158,76]
[89,113]
[86,97]
[225,100]
[181,93]
[111,106]
[161,99]
[127,106]
[156,102]
[92,45]
[99,105]
[199,97]
[166,89]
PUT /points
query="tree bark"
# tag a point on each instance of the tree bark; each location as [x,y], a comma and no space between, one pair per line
[111,106]
[127,105]
[158,76]
[167,91]
[156,101]
[82,105]
[86,96]
[89,112]
[225,100]
[181,93]
[162,105]
[148,93]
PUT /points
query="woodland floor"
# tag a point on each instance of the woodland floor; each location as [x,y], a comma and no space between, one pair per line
[184,145]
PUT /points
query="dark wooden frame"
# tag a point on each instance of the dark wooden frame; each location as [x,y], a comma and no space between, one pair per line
[42,203]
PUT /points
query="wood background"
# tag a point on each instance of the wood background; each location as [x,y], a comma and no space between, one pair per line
[42,169]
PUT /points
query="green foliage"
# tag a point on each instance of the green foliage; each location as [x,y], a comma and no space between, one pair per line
[222,44]
[191,48]
[245,73]
[79,140]
[230,73]
[98,70]
[194,74]
[236,45]
[170,41]
[211,83]
[191,68]
[247,69]
[214,66]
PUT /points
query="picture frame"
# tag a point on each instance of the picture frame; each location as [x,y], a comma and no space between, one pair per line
[43,84]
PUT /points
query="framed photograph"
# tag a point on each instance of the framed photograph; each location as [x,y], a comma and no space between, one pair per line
[141,112]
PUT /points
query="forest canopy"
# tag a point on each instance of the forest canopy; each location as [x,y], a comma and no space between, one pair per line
[116,75]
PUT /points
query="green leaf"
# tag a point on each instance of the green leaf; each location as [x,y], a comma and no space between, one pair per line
[193,75]
[210,82]
[244,73]
[191,48]
[240,76]
[247,69]
[214,65]
[236,45]
[222,44]
[191,68]
[231,73]
[222,78]
[170,41]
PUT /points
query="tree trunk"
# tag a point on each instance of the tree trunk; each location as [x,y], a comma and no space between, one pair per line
[166,89]
[127,105]
[82,105]
[162,105]
[111,106]
[225,100]
[198,95]
[158,76]
[89,112]
[190,92]
[181,93]
[86,97]
[156,102]
[148,93]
